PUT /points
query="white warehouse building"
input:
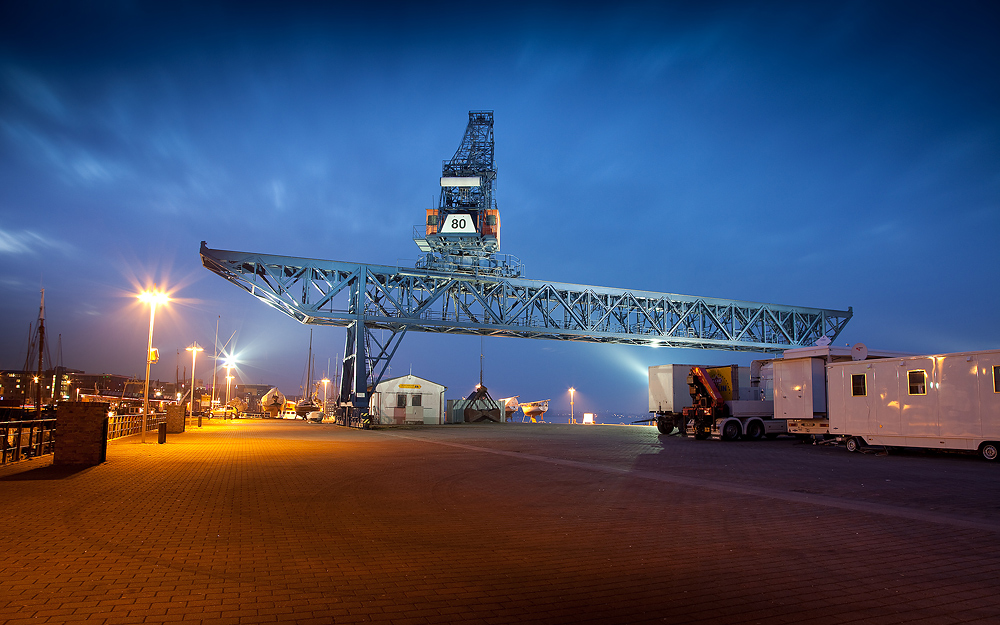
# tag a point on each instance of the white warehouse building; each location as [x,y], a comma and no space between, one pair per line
[407,399]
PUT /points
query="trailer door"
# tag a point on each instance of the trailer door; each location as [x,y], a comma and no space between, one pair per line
[958,399]
[885,382]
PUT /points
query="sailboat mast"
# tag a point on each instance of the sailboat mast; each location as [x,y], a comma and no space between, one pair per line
[41,350]
[57,371]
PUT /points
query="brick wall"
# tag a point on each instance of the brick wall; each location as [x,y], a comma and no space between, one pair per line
[80,434]
[175,419]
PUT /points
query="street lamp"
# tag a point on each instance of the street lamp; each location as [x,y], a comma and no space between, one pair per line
[229,380]
[572,392]
[325,381]
[194,349]
[152,298]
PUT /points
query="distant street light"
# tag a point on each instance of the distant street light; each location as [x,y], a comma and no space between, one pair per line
[572,392]
[194,349]
[325,381]
[152,298]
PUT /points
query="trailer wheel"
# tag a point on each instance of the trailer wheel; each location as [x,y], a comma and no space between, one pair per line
[851,444]
[755,430]
[664,427]
[988,451]
[731,431]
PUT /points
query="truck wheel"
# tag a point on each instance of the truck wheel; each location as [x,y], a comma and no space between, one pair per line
[731,431]
[988,451]
[755,430]
[664,427]
[851,444]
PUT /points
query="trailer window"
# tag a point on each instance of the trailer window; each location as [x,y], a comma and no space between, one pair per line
[858,386]
[996,378]
[416,400]
[917,381]
[400,400]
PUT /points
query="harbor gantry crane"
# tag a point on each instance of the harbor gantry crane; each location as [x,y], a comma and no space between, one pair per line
[463,285]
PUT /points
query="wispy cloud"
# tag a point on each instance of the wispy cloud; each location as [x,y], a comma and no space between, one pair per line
[74,162]
[277,192]
[26,242]
[34,92]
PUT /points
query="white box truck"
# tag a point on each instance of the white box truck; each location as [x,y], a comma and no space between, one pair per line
[681,397]
[946,401]
[669,396]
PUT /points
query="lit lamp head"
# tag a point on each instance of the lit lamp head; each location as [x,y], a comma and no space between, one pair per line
[153,297]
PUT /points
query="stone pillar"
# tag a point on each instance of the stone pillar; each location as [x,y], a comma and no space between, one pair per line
[175,419]
[81,433]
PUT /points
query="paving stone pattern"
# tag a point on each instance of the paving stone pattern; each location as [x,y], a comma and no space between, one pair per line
[281,521]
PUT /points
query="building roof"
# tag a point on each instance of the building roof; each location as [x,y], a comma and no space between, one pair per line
[404,379]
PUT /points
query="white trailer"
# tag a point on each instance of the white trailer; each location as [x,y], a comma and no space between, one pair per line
[800,386]
[947,401]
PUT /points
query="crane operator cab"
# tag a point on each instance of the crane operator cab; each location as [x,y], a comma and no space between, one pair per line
[463,233]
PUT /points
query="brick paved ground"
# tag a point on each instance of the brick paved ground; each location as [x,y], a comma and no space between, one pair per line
[264,521]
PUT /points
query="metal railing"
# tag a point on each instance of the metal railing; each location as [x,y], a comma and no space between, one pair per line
[26,439]
[31,438]
[122,425]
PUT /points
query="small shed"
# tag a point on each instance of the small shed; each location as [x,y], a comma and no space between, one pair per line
[407,399]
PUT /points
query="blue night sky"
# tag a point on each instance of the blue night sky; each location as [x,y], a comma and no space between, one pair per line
[816,154]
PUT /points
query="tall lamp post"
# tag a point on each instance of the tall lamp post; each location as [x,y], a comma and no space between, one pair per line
[325,382]
[152,298]
[229,379]
[572,392]
[194,349]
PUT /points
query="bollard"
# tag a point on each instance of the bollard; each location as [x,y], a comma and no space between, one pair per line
[162,433]
[199,420]
[105,426]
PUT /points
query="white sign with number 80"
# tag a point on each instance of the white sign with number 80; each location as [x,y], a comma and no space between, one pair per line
[458,223]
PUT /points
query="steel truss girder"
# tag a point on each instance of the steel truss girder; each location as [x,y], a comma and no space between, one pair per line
[397,299]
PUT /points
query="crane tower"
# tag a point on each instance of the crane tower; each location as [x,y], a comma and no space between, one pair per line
[463,233]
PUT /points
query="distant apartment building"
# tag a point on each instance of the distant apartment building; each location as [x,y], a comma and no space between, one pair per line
[62,384]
